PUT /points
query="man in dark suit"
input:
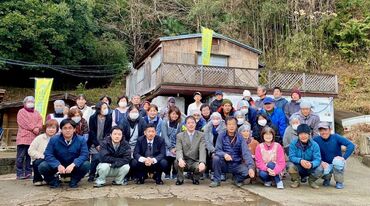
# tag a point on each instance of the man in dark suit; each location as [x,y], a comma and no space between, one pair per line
[149,156]
[190,152]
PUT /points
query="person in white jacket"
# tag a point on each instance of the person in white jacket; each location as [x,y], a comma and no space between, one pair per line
[37,149]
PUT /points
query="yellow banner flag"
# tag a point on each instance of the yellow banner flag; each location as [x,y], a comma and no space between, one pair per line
[206,45]
[42,94]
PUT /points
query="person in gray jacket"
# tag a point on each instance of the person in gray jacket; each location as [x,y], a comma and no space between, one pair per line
[291,132]
[293,106]
[307,116]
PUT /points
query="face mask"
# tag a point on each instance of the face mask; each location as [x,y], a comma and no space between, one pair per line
[244,111]
[30,105]
[216,122]
[122,104]
[262,122]
[295,126]
[59,110]
[76,119]
[104,112]
[240,121]
[134,116]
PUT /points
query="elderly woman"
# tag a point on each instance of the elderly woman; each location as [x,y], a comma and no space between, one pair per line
[82,127]
[29,125]
[240,117]
[58,114]
[37,149]
[291,132]
[246,132]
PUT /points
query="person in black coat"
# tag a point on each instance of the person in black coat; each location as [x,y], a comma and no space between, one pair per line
[115,156]
[149,156]
[100,125]
[262,121]
[133,125]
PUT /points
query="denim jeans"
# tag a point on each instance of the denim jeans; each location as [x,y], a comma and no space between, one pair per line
[265,177]
[36,174]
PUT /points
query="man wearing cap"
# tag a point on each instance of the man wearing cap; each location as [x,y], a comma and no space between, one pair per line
[248,97]
[215,104]
[261,93]
[280,101]
[293,106]
[276,115]
[195,105]
[307,116]
[304,158]
[333,161]
[226,109]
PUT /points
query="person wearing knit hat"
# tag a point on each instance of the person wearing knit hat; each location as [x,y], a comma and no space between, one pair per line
[226,109]
[333,159]
[291,132]
[248,97]
[304,158]
[246,131]
[216,104]
[307,116]
[294,105]
[200,121]
[196,104]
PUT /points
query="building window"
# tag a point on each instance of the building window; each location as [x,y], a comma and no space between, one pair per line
[216,60]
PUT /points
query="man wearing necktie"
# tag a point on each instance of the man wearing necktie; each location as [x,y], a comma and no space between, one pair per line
[190,152]
[149,156]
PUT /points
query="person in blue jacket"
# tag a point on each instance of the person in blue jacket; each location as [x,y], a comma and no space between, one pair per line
[67,155]
[304,158]
[276,115]
[333,161]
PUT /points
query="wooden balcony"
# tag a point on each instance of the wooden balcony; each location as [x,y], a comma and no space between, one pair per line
[170,79]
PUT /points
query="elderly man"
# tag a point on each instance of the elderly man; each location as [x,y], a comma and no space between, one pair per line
[149,156]
[276,116]
[333,160]
[232,155]
[304,158]
[307,116]
[136,100]
[58,115]
[261,93]
[115,154]
[65,155]
[190,152]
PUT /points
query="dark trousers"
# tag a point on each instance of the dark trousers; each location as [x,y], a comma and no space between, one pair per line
[95,160]
[51,177]
[23,161]
[171,165]
[140,170]
[264,175]
[36,174]
[239,170]
[191,166]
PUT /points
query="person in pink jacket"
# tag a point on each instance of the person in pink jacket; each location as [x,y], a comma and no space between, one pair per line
[29,126]
[270,159]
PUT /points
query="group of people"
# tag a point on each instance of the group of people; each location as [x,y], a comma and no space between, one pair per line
[266,138]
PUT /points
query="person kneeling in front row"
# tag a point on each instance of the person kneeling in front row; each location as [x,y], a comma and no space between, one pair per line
[115,154]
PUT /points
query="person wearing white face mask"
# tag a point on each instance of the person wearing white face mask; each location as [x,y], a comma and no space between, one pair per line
[249,112]
[240,117]
[58,115]
[133,125]
[262,121]
[82,127]
[100,125]
[120,111]
[291,132]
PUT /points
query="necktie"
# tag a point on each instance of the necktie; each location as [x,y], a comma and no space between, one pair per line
[150,149]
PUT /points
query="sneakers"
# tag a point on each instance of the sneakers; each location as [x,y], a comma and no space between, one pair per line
[98,185]
[214,184]
[38,183]
[339,185]
[313,185]
[304,179]
[280,185]
[91,179]
[326,183]
[268,184]
[238,184]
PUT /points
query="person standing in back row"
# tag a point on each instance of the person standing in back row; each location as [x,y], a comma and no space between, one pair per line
[195,105]
[216,104]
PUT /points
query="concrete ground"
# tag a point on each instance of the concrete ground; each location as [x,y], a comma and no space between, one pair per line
[356,192]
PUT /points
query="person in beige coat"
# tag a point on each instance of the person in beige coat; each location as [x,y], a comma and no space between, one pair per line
[190,152]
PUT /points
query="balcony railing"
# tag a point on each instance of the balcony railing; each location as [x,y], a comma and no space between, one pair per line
[212,76]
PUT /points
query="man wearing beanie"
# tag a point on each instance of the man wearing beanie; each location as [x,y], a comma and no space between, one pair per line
[293,106]
[333,161]
[226,109]
[304,158]
[307,116]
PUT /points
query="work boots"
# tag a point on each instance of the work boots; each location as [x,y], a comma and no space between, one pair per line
[312,182]
[295,179]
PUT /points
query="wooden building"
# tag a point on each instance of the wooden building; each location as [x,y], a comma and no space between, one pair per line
[9,110]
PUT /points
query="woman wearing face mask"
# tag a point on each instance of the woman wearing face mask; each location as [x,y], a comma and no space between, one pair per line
[82,127]
[213,128]
[262,121]
[291,132]
[106,99]
[58,114]
[29,126]
[119,113]
[249,112]
[100,125]
[133,126]
[170,128]
[240,117]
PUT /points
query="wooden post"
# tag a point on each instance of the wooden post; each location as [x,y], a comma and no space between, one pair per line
[6,128]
